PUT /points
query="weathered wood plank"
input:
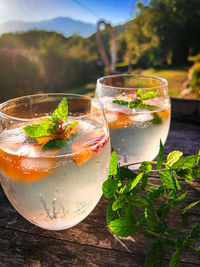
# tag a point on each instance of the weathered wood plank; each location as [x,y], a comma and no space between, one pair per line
[20,249]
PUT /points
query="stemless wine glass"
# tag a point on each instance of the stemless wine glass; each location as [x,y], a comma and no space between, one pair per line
[54,188]
[138,112]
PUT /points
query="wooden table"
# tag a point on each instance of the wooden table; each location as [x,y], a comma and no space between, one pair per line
[90,243]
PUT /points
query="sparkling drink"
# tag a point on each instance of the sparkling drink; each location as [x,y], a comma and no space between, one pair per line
[135,129]
[56,188]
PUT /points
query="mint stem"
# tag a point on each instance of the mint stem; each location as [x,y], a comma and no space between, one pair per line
[168,240]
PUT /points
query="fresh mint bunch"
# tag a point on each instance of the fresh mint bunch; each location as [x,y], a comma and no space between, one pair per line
[136,100]
[52,127]
[134,206]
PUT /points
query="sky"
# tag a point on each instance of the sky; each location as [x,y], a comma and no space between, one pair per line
[114,11]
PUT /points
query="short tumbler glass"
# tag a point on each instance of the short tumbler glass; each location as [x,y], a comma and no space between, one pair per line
[138,113]
[54,189]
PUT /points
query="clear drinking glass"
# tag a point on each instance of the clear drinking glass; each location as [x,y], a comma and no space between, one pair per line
[56,188]
[138,113]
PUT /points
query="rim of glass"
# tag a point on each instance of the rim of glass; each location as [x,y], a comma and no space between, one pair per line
[165,83]
[49,94]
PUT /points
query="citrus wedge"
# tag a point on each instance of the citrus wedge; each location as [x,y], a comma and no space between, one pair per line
[87,144]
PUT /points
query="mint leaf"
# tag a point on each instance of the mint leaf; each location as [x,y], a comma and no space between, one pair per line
[154,255]
[156,120]
[186,174]
[169,180]
[138,201]
[140,93]
[135,104]
[155,191]
[145,166]
[150,213]
[173,157]
[109,187]
[181,198]
[39,130]
[186,163]
[61,112]
[160,156]
[56,143]
[175,259]
[189,207]
[113,164]
[149,95]
[71,125]
[196,172]
[124,173]
[119,202]
[124,226]
[120,102]
[131,184]
[111,215]
[144,181]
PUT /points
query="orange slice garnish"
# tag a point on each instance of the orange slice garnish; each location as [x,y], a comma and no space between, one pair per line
[24,168]
[164,114]
[118,119]
[87,144]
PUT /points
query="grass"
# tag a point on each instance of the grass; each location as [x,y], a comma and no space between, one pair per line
[174,77]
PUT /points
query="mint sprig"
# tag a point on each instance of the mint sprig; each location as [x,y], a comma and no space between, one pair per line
[136,101]
[135,207]
[52,127]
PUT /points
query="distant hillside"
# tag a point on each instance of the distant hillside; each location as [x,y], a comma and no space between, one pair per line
[64,25]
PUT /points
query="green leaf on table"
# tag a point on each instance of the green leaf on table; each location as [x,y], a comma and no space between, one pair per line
[131,184]
[180,198]
[119,202]
[169,180]
[39,130]
[175,259]
[124,173]
[111,215]
[120,102]
[113,164]
[144,181]
[145,166]
[150,213]
[155,192]
[109,187]
[61,112]
[56,143]
[189,207]
[139,202]
[194,235]
[130,211]
[124,226]
[196,172]
[190,162]
[154,257]
[186,174]
[160,156]
[173,157]
[186,163]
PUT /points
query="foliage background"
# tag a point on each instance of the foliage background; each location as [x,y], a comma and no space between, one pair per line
[158,40]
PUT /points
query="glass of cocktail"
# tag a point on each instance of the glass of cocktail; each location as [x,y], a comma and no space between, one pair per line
[138,112]
[54,157]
